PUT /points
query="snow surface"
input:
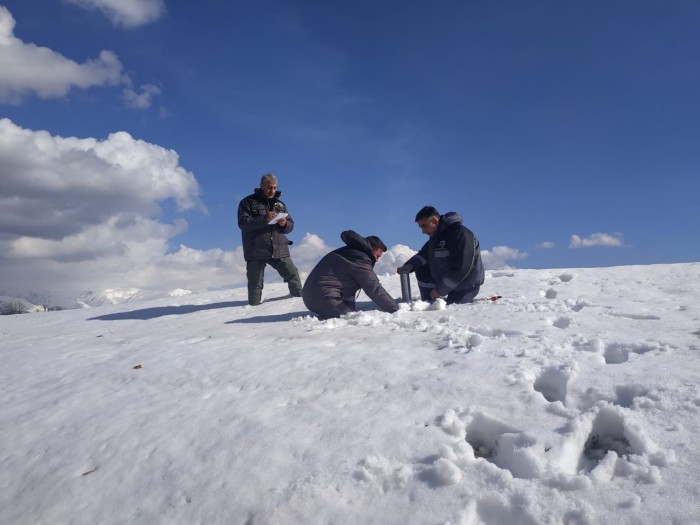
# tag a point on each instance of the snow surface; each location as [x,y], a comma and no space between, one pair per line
[575,398]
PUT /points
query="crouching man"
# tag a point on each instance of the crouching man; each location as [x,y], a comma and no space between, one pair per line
[330,288]
[449,264]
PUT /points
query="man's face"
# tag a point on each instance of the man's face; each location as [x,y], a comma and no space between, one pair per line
[429,225]
[377,252]
[268,188]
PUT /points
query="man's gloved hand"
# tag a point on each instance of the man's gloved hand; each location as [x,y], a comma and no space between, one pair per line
[406,268]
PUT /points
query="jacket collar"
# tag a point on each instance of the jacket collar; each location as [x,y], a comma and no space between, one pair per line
[258,193]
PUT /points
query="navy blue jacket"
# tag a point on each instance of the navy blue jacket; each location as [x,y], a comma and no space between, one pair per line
[453,256]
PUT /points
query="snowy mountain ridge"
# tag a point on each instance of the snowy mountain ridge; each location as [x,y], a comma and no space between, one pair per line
[33,302]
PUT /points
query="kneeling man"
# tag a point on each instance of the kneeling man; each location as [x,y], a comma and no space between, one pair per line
[449,264]
[330,288]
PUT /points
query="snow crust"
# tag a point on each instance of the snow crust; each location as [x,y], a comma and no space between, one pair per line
[574,398]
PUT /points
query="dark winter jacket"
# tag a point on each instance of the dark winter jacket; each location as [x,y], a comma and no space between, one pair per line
[453,256]
[330,288]
[260,239]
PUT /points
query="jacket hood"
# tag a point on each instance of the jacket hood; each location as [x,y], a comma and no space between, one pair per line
[449,219]
[356,241]
[452,217]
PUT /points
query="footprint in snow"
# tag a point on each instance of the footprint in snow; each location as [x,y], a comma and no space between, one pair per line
[552,384]
[559,322]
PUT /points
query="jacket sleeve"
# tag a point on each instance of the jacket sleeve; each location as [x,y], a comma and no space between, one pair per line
[419,259]
[369,282]
[248,221]
[462,260]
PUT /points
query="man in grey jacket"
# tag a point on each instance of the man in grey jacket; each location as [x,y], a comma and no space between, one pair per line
[330,288]
[449,264]
[264,222]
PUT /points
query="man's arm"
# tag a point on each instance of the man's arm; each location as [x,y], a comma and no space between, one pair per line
[251,217]
[415,262]
[369,282]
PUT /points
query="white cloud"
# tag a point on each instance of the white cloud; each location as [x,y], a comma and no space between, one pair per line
[394,257]
[546,245]
[496,257]
[54,187]
[31,69]
[141,100]
[125,13]
[596,239]
[308,252]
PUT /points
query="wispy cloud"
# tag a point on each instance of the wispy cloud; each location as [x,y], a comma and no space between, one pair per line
[125,13]
[546,245]
[31,69]
[597,239]
[141,100]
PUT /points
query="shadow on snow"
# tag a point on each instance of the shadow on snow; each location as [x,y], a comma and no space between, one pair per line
[277,318]
[161,311]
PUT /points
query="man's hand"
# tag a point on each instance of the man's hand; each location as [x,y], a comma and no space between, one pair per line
[406,268]
[270,215]
[434,295]
[282,222]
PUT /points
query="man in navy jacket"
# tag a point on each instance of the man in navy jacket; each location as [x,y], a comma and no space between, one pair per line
[449,264]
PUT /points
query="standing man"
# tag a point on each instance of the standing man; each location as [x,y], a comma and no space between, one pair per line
[264,221]
[330,288]
[449,264]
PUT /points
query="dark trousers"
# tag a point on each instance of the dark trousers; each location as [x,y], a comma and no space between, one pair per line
[426,284]
[330,307]
[255,272]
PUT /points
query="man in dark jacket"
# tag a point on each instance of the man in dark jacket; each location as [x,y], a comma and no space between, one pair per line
[330,288]
[449,264]
[264,221]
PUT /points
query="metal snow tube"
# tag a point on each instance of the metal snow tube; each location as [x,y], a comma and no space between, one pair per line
[406,287]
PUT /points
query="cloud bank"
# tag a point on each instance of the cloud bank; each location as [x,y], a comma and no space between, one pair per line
[125,13]
[82,212]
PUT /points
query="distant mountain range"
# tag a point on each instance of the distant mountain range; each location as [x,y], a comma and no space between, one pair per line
[33,302]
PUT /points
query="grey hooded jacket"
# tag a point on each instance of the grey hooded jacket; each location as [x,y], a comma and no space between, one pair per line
[453,256]
[330,288]
[262,240]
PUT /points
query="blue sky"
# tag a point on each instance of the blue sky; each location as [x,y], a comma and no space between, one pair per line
[574,124]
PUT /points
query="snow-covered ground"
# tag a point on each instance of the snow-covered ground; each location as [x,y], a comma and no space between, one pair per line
[575,398]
